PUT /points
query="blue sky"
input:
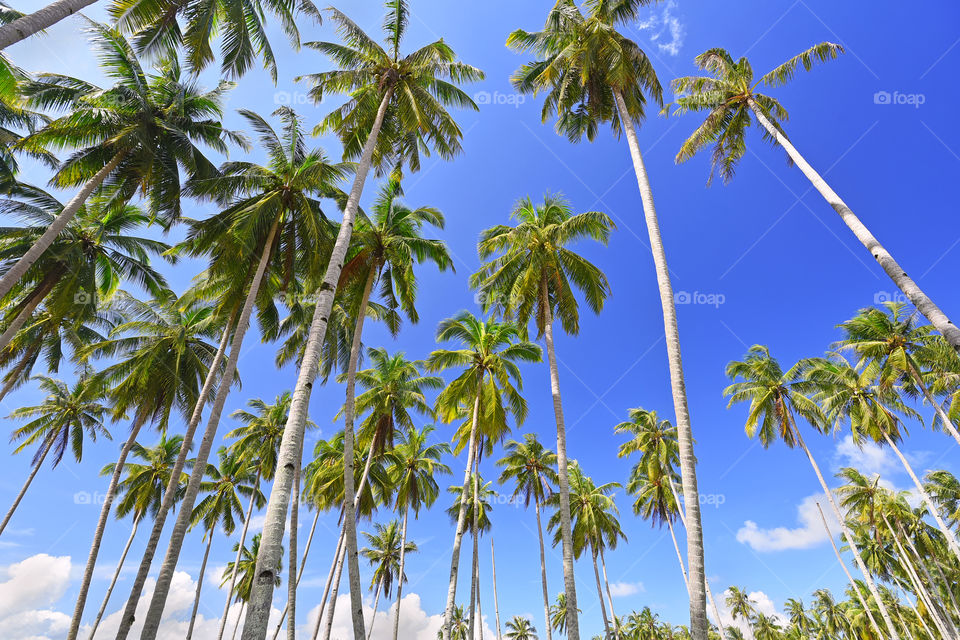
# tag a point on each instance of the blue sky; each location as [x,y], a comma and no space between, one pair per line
[775,263]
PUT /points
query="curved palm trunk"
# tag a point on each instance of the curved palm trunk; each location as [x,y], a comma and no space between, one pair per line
[863,603]
[566,536]
[13,376]
[113,581]
[871,585]
[335,589]
[292,583]
[699,626]
[17,271]
[944,418]
[151,623]
[101,526]
[173,487]
[33,23]
[921,591]
[327,586]
[26,485]
[403,558]
[303,561]
[461,522]
[291,446]
[30,304]
[236,558]
[196,598]
[543,576]
[496,603]
[603,607]
[606,584]
[376,603]
[924,304]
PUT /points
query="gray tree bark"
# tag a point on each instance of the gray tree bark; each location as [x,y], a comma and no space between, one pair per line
[496,602]
[543,576]
[113,581]
[236,558]
[33,23]
[403,557]
[26,485]
[196,598]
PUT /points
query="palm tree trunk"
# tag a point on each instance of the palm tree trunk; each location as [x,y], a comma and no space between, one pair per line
[496,603]
[403,558]
[17,271]
[935,561]
[461,521]
[923,623]
[13,376]
[924,304]
[151,622]
[303,562]
[474,533]
[30,304]
[196,598]
[688,463]
[479,607]
[683,567]
[138,422]
[335,589]
[944,418]
[849,538]
[116,574]
[237,623]
[173,487]
[291,446]
[944,529]
[606,584]
[863,603]
[37,21]
[603,608]
[292,583]
[26,485]
[569,579]
[921,591]
[236,558]
[543,575]
[327,586]
[376,603]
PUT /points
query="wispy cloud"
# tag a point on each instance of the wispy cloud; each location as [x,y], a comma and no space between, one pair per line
[621,589]
[666,28]
[808,534]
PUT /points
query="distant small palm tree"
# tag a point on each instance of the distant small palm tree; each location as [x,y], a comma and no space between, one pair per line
[520,628]
[242,573]
[384,553]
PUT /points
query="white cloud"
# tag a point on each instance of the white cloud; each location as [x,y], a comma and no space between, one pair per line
[667,30]
[621,589]
[31,587]
[809,534]
[870,458]
[761,602]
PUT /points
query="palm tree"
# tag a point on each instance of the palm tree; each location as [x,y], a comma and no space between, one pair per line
[142,492]
[475,497]
[136,135]
[405,98]
[592,74]
[728,93]
[740,604]
[162,357]
[387,546]
[532,469]
[65,416]
[776,399]
[414,466]
[558,613]
[489,355]
[520,629]
[271,212]
[242,574]
[458,625]
[534,274]
[944,488]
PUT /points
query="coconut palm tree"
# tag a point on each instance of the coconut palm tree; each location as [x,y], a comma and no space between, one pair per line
[520,629]
[134,136]
[242,574]
[16,117]
[740,604]
[944,488]
[386,548]
[489,356]
[414,466]
[142,492]
[592,74]
[161,358]
[458,625]
[405,98]
[532,470]
[558,613]
[66,415]
[531,272]
[776,399]
[476,497]
[728,94]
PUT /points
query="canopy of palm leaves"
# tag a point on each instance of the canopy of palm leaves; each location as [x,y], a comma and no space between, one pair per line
[145,482]
[383,554]
[245,569]
[225,484]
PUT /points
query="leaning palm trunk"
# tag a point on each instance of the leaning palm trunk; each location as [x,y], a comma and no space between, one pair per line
[138,422]
[14,378]
[151,622]
[116,574]
[606,584]
[292,583]
[924,304]
[543,576]
[699,626]
[196,598]
[923,623]
[863,602]
[29,305]
[461,520]
[303,561]
[291,446]
[935,561]
[236,558]
[173,487]
[566,536]
[327,586]
[921,591]
[403,558]
[26,485]
[18,270]
[237,623]
[683,567]
[335,589]
[944,418]
[376,603]
[871,585]
[603,607]
[35,22]
[496,603]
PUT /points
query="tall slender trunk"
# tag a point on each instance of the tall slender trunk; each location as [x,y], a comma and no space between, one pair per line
[196,598]
[303,563]
[116,574]
[151,623]
[921,591]
[566,536]
[475,534]
[291,446]
[403,558]
[603,607]
[904,625]
[935,561]
[138,422]
[335,589]
[236,624]
[236,557]
[13,376]
[26,485]
[923,623]
[291,581]
[944,418]
[461,521]
[327,586]
[606,584]
[699,626]
[863,603]
[18,270]
[29,305]
[496,603]
[932,508]
[173,487]
[924,304]
[683,567]
[33,23]
[543,575]
[871,585]
[376,603]
[479,606]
